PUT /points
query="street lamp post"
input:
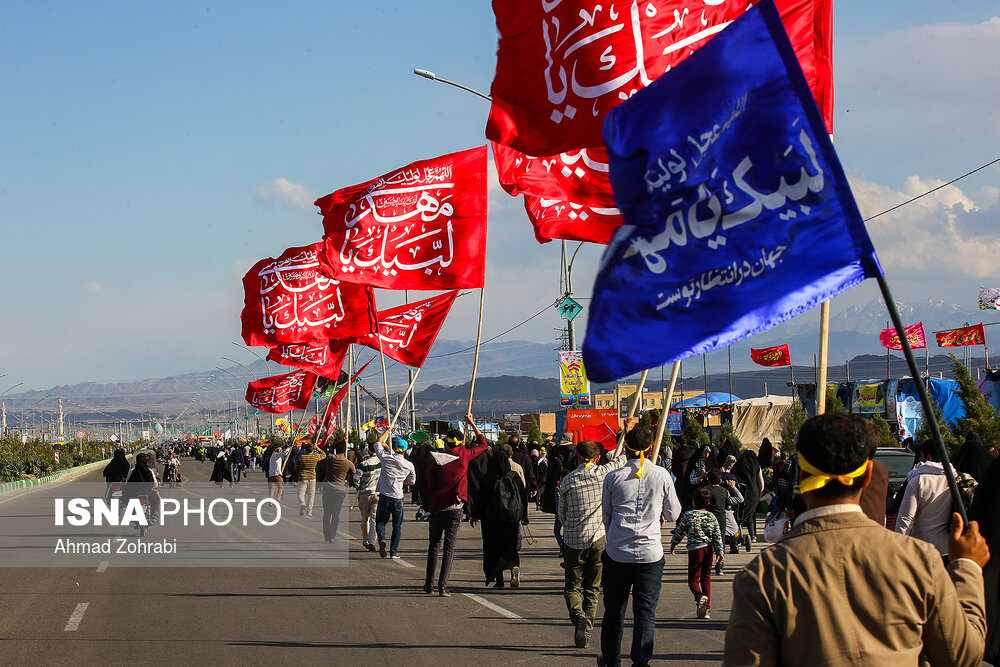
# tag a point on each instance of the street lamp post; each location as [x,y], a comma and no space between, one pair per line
[238,380]
[267,369]
[3,406]
[232,399]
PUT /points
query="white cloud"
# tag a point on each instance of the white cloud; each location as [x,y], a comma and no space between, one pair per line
[945,236]
[285,192]
[92,288]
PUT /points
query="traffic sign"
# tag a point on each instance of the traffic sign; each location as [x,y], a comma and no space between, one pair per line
[80,435]
[114,437]
[569,308]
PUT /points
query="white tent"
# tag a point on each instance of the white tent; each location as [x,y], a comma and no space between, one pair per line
[763,417]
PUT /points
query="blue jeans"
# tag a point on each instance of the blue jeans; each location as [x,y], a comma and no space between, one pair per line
[643,580]
[389,508]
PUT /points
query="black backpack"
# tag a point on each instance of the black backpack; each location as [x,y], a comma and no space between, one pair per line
[506,505]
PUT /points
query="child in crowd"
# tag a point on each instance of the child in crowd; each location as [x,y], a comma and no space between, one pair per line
[704,538]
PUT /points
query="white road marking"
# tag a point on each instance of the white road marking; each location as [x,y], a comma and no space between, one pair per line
[403,562]
[497,608]
[76,617]
[103,566]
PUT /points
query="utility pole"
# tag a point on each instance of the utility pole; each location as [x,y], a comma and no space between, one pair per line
[60,419]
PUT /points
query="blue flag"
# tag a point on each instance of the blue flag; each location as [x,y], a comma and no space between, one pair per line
[737,212]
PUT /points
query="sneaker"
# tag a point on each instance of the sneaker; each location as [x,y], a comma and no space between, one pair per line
[580,635]
[370,546]
[302,511]
[381,548]
[515,577]
[309,513]
[703,606]
[499,584]
[394,556]
[443,592]
[427,589]
[707,616]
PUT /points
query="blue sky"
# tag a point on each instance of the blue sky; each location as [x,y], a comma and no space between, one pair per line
[153,152]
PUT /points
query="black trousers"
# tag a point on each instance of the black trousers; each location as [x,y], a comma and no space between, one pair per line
[443,524]
[333,501]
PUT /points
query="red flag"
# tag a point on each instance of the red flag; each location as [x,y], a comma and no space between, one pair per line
[330,417]
[282,393]
[419,227]
[772,356]
[322,357]
[561,66]
[555,219]
[914,334]
[291,300]
[578,176]
[974,335]
[408,332]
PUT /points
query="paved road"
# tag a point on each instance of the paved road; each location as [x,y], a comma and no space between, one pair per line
[372,612]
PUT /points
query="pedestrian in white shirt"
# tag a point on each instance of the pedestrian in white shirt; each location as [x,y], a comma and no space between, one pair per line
[637,500]
[275,468]
[925,512]
[396,471]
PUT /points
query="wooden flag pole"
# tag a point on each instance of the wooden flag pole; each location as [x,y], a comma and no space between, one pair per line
[631,408]
[925,400]
[475,360]
[824,350]
[675,370]
[479,336]
[402,403]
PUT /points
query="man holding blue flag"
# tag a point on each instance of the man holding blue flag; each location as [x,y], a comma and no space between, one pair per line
[738,214]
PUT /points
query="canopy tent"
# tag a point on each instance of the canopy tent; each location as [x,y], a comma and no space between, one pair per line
[711,398]
[763,417]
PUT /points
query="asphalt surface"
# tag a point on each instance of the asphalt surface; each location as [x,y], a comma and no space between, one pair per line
[372,612]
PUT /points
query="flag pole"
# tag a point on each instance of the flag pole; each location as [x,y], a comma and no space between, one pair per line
[479,336]
[824,350]
[675,370]
[631,408]
[925,400]
[350,390]
[402,403]
[385,378]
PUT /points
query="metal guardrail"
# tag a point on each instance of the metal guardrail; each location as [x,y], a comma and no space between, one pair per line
[7,487]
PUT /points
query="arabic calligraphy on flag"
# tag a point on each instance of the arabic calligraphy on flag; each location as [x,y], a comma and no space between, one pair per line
[573,381]
[419,227]
[554,219]
[772,356]
[962,336]
[282,393]
[738,214]
[291,300]
[562,66]
[322,357]
[989,298]
[889,338]
[408,331]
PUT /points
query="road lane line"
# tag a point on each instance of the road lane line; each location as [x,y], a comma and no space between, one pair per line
[403,562]
[76,617]
[103,566]
[497,608]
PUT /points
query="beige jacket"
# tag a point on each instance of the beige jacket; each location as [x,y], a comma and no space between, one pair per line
[840,589]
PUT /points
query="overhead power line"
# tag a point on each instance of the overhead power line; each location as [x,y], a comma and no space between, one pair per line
[933,190]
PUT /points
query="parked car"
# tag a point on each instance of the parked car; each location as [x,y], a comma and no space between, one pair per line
[898,462]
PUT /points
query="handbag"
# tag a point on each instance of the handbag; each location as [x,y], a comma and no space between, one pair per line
[775,527]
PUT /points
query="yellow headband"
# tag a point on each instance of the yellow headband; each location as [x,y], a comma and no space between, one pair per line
[818,479]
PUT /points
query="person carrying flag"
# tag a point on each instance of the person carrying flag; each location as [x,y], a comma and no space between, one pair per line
[448,492]
[396,471]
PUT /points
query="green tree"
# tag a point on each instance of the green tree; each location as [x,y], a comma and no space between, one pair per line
[924,432]
[694,432]
[790,430]
[980,417]
[534,433]
[885,437]
[833,404]
[727,431]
